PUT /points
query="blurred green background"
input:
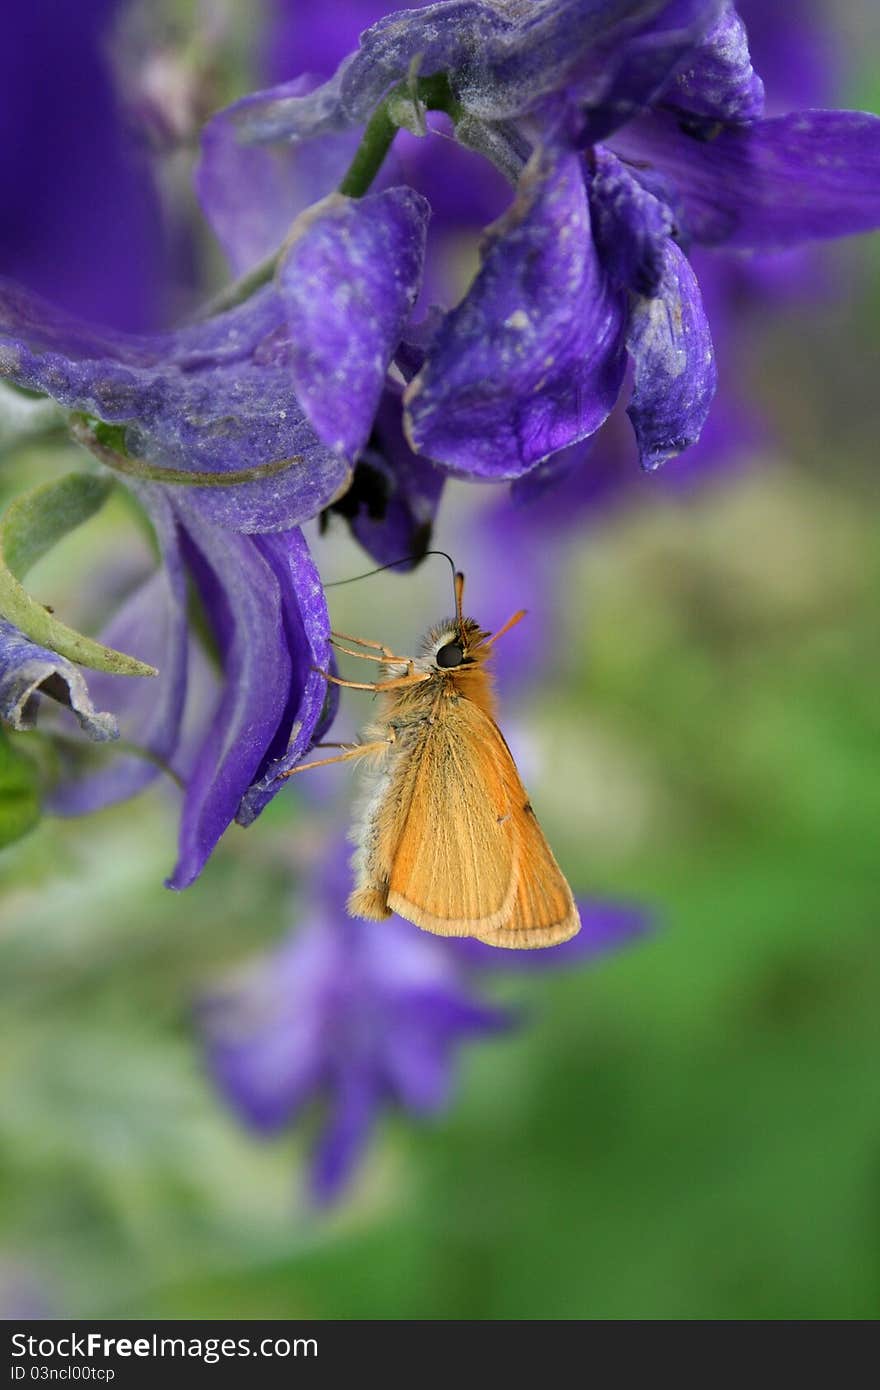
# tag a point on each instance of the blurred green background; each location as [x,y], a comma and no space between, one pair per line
[690,1129]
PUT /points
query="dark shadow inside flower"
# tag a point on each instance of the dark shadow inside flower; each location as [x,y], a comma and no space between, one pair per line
[394,495]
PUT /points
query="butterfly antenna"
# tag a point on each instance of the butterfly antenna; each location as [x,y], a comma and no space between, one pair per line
[511,622]
[458,583]
[404,560]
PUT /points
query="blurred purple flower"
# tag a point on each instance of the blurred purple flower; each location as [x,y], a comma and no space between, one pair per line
[362,1016]
[591,250]
[81,218]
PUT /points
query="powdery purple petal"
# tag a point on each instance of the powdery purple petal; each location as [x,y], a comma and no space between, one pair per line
[348,281]
[532,359]
[154,624]
[28,672]
[675,376]
[441,36]
[631,63]
[216,396]
[718,81]
[630,225]
[772,184]
[311,701]
[243,599]
[251,195]
[502,62]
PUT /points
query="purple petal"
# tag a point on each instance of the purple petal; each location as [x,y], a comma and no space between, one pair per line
[348,280]
[630,225]
[153,622]
[216,395]
[312,701]
[266,1032]
[500,64]
[675,376]
[441,36]
[391,504]
[28,672]
[532,359]
[420,1071]
[632,60]
[605,926]
[424,1028]
[718,81]
[268,1072]
[356,1101]
[251,196]
[242,598]
[504,64]
[813,174]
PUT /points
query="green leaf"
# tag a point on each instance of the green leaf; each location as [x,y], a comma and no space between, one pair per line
[38,520]
[29,527]
[19,793]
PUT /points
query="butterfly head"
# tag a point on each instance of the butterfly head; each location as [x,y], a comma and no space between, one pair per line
[453,645]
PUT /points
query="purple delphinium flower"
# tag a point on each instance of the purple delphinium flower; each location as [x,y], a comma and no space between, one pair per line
[791,48]
[361,1017]
[210,408]
[635,133]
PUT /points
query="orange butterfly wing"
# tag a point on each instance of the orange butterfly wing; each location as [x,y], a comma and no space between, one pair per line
[470,858]
[453,866]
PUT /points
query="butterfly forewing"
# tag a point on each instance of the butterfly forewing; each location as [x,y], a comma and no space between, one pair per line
[453,867]
[544,911]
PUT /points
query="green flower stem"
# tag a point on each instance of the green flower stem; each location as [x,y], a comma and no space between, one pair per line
[29,528]
[106,442]
[430,93]
[370,154]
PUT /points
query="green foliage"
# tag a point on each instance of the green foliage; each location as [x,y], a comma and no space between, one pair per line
[31,525]
[19,792]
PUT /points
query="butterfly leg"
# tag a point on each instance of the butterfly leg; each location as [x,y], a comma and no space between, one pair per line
[367,656]
[360,750]
[412,677]
[364,642]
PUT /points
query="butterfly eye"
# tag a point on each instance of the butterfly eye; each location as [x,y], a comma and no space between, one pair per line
[450,655]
